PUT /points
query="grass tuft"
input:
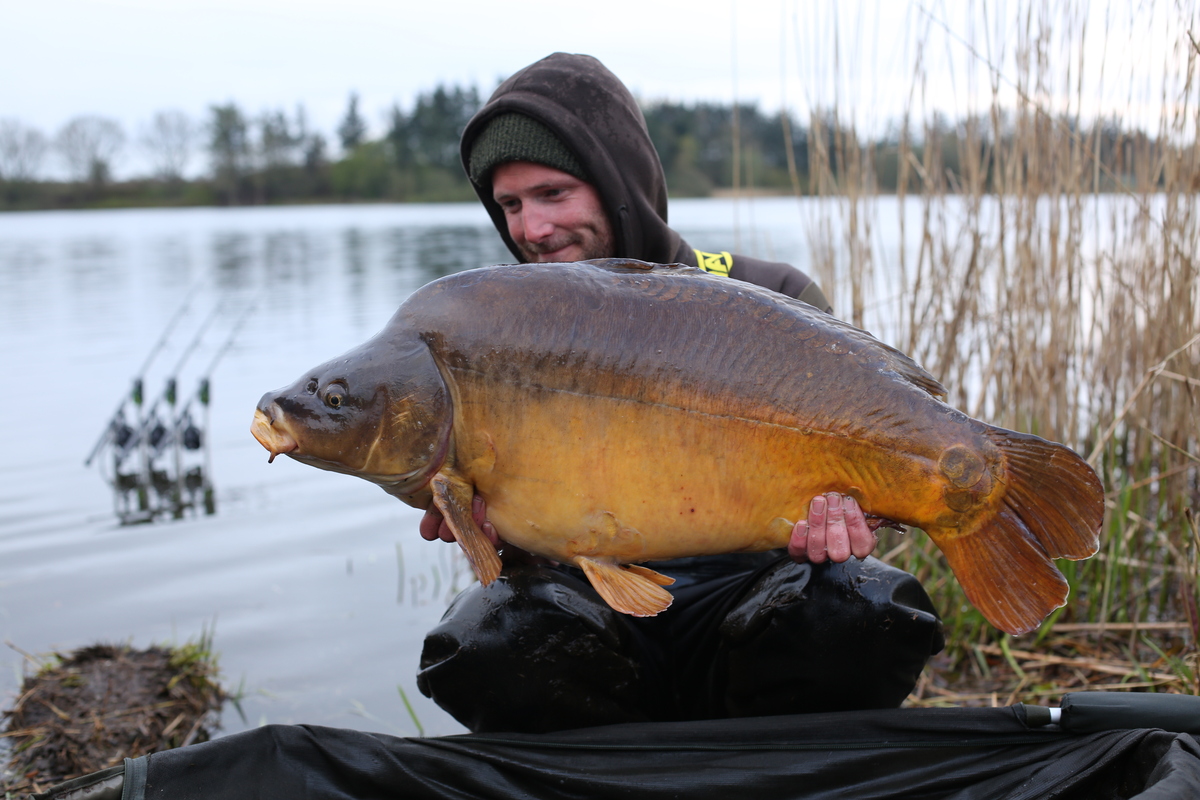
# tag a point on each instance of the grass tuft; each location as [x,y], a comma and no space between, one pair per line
[85,711]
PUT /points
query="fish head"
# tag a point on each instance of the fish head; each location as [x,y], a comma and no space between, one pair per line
[381,412]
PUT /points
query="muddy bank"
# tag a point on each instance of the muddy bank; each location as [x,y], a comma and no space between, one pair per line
[87,710]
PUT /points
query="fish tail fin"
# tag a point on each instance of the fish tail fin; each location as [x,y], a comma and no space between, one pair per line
[1052,507]
[632,590]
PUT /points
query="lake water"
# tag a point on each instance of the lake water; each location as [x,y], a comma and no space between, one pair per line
[316,585]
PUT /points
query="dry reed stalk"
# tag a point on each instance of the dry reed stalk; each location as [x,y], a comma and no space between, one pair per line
[1047,278]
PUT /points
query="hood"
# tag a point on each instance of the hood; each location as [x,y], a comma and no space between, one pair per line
[597,118]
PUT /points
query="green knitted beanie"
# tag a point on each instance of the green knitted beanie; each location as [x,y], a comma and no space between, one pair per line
[516,137]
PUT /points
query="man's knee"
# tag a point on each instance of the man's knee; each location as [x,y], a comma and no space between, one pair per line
[535,651]
[827,637]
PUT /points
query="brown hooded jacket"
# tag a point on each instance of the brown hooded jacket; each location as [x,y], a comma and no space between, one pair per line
[597,118]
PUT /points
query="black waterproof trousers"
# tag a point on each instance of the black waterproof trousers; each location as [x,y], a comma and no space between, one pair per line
[747,635]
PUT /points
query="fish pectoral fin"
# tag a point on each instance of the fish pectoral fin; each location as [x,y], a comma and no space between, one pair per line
[629,590]
[453,495]
[650,575]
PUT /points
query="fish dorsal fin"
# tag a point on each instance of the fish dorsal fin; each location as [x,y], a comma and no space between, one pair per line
[896,361]
[629,590]
[453,495]
[912,372]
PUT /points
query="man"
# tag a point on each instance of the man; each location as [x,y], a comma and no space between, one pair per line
[561,158]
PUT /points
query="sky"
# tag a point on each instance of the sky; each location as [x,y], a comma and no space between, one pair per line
[127,59]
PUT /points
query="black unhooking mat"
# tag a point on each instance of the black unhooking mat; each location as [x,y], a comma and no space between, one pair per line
[927,753]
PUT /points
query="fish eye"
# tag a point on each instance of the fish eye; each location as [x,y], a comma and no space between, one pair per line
[335,395]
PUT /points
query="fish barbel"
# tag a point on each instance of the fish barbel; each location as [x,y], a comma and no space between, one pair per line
[613,413]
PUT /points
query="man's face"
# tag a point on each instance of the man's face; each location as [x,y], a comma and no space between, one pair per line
[552,216]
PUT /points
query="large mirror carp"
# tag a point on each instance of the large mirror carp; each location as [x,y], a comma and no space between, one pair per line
[613,413]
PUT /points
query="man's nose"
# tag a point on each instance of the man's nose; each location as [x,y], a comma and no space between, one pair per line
[537,223]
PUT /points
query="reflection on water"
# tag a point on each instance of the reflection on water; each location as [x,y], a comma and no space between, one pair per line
[434,583]
[318,586]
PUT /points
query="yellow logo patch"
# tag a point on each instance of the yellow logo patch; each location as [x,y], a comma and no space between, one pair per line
[716,263]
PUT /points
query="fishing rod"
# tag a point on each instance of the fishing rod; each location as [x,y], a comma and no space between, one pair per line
[203,392]
[135,393]
[188,436]
[237,327]
[151,431]
[169,392]
[169,487]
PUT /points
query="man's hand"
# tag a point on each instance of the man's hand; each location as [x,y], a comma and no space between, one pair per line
[433,527]
[836,529]
[433,524]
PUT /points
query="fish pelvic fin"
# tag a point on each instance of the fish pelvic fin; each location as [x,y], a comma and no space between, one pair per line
[453,495]
[632,590]
[650,575]
[1052,507]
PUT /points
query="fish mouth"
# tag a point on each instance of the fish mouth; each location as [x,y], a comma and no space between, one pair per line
[275,440]
[269,429]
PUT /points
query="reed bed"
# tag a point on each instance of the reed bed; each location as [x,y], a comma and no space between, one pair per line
[1048,277]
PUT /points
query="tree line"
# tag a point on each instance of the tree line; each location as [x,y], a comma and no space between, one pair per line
[278,157]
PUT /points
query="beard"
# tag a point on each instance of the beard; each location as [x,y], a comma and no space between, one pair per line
[592,243]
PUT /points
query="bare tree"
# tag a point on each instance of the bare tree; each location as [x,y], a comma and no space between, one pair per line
[229,148]
[21,151]
[277,139]
[88,144]
[353,129]
[169,139]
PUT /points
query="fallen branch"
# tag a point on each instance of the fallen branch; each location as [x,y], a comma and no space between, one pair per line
[1081,663]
